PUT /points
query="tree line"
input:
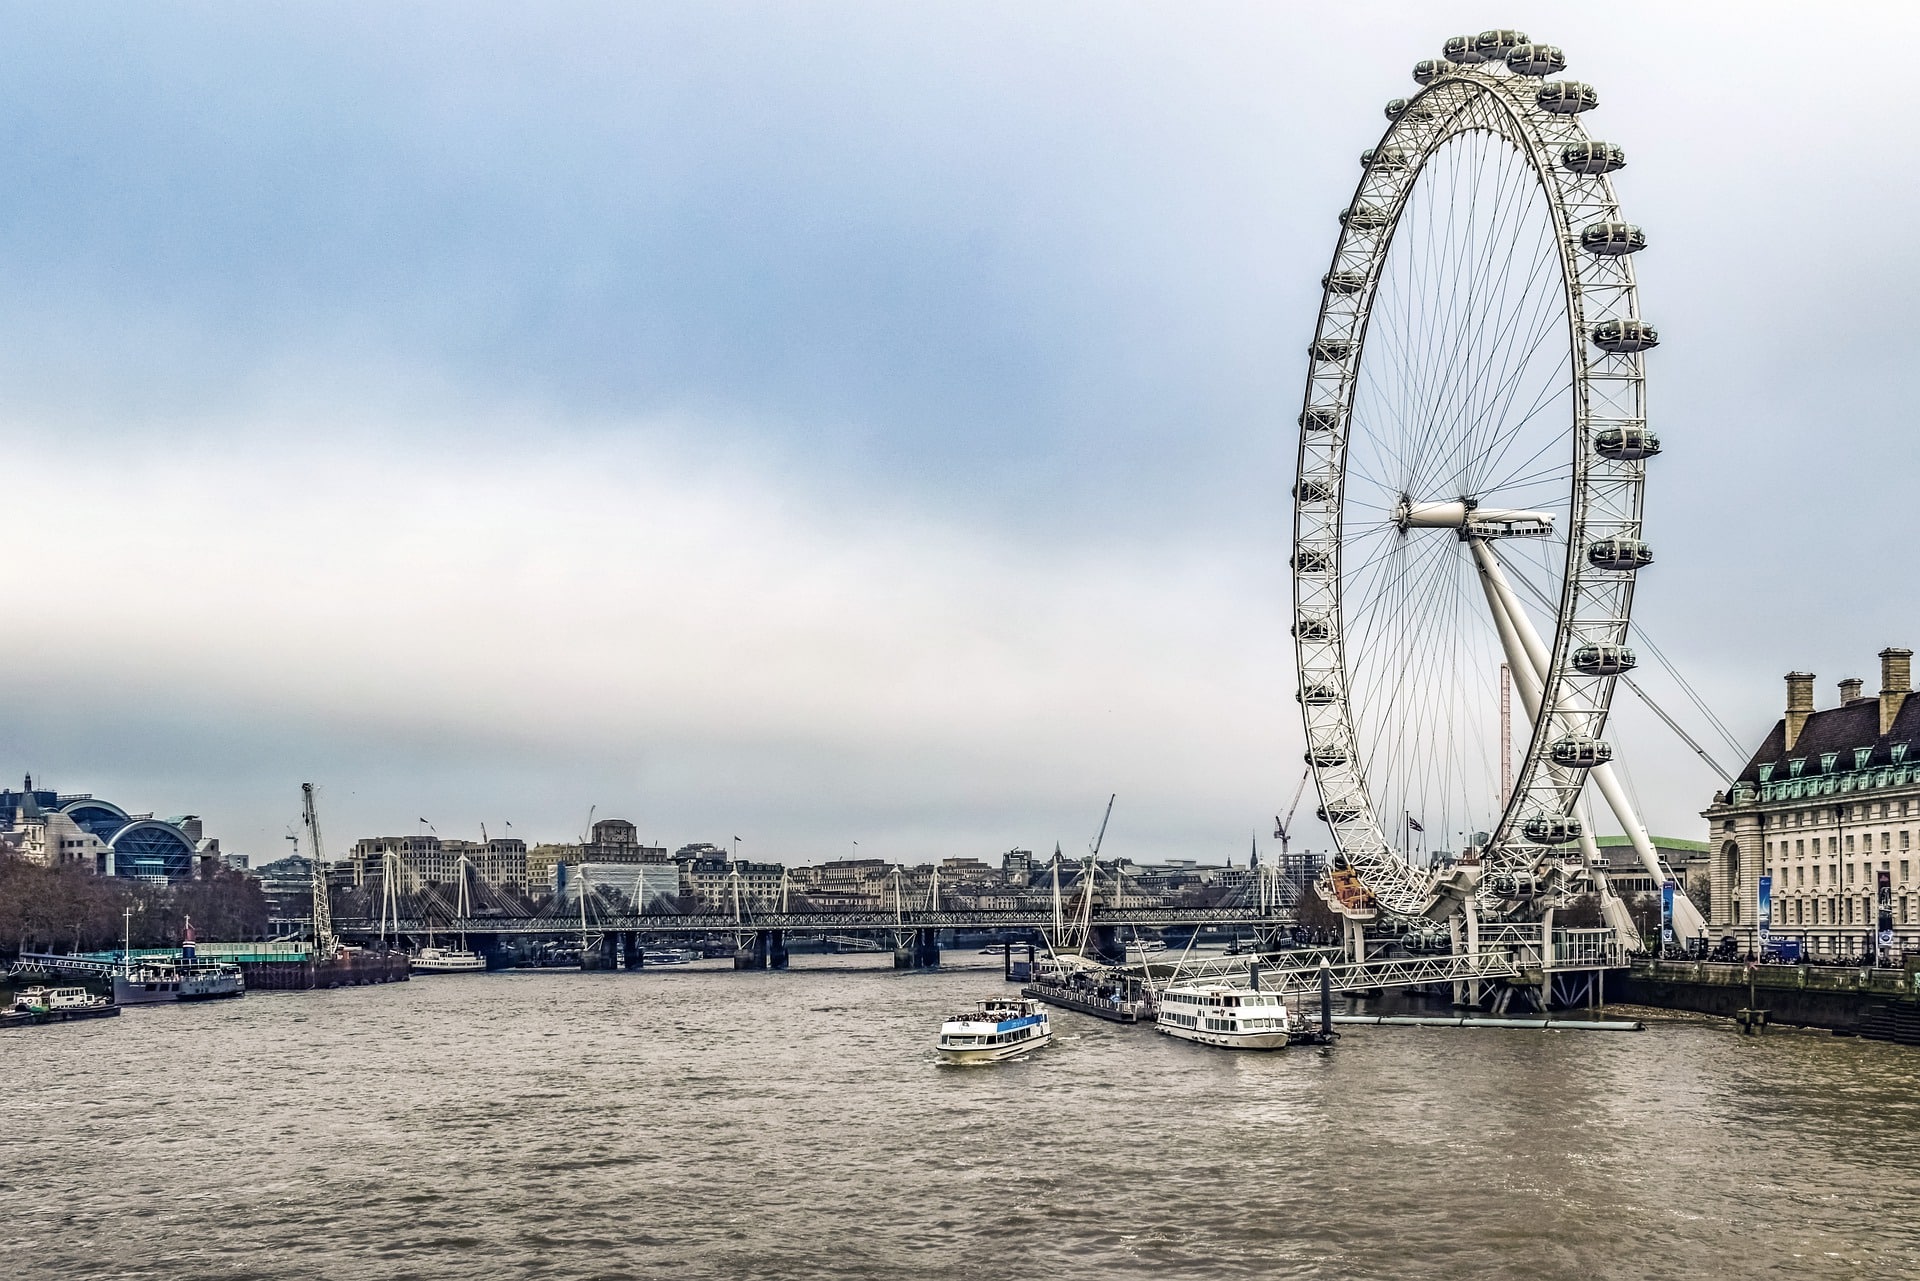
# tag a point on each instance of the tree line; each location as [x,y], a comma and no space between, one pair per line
[69,909]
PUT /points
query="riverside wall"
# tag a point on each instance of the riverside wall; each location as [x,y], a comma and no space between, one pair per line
[1865,1002]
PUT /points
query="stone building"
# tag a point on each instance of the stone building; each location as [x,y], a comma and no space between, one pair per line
[499,861]
[418,860]
[1829,802]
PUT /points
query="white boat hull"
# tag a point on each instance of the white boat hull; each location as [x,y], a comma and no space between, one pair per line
[996,1053]
[1228,1040]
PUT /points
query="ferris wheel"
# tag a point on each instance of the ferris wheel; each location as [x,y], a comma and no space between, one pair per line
[1473,450]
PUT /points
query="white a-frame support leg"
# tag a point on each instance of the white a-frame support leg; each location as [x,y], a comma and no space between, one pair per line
[1527,657]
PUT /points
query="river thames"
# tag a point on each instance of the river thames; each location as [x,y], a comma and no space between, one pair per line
[702,1123]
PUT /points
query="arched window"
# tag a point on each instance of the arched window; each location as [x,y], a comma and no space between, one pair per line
[1730,859]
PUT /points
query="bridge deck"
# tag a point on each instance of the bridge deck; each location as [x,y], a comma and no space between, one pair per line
[816,922]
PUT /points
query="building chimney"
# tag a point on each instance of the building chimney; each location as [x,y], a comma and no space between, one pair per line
[1799,704]
[1850,690]
[1896,682]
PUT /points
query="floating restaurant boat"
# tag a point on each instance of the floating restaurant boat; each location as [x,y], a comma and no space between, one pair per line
[155,979]
[1233,1018]
[995,1030]
[446,960]
[150,981]
[669,956]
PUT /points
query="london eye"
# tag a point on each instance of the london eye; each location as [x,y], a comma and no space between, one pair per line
[1474,447]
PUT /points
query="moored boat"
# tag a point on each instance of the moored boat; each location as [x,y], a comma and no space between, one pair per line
[1233,1018]
[446,960]
[156,979]
[57,1005]
[669,956]
[995,1030]
[151,981]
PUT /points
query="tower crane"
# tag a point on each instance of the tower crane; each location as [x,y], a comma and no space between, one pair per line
[1283,828]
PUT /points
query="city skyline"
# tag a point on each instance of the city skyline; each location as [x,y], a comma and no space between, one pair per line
[447,420]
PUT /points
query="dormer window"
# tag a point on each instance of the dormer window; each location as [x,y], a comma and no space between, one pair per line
[1899,751]
[1827,760]
[1796,766]
[1861,755]
[1766,773]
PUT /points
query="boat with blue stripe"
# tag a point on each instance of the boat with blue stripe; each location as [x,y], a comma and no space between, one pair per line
[995,1030]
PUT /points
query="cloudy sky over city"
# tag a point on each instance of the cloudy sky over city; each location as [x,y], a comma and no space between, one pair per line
[830,423]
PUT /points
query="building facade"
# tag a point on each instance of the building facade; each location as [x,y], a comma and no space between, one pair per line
[1828,808]
[98,836]
[499,861]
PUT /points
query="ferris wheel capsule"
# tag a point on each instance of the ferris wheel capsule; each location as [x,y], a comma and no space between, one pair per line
[1495,45]
[1461,49]
[1566,97]
[1320,418]
[1344,282]
[1312,629]
[1577,751]
[1626,336]
[1536,60]
[1621,555]
[1612,239]
[1428,70]
[1313,490]
[1319,694]
[1551,829]
[1388,158]
[1327,756]
[1592,158]
[1330,349]
[1312,560]
[1604,660]
[1364,218]
[1336,813]
[1625,444]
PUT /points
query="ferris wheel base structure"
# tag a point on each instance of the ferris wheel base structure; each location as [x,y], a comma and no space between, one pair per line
[1475,416]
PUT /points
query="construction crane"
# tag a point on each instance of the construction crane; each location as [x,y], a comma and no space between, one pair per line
[1283,827]
[324,944]
[1103,824]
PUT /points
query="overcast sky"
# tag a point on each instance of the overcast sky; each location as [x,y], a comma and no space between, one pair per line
[829,423]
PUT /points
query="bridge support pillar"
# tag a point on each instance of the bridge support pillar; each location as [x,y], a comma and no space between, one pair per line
[632,955]
[776,949]
[598,953]
[1356,940]
[917,950]
[751,953]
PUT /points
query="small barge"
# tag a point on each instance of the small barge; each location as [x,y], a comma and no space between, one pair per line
[57,1005]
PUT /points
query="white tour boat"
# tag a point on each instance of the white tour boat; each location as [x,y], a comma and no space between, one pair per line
[995,1030]
[1234,1018]
[446,960]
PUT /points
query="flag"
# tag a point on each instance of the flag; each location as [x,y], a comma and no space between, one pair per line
[1413,824]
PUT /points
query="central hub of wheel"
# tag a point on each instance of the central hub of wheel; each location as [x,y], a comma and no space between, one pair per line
[1471,519]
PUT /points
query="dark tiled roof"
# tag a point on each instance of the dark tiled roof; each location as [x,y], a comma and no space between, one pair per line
[1843,730]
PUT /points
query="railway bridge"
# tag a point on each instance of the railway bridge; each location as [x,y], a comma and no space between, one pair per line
[761,936]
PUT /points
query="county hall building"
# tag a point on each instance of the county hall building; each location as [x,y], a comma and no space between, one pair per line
[1829,802]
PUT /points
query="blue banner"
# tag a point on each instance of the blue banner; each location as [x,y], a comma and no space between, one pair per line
[1765,918]
[1666,914]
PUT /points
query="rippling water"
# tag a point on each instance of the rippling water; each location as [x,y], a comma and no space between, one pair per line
[699,1123]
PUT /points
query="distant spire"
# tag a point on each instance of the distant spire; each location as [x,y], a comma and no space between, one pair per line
[29,805]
